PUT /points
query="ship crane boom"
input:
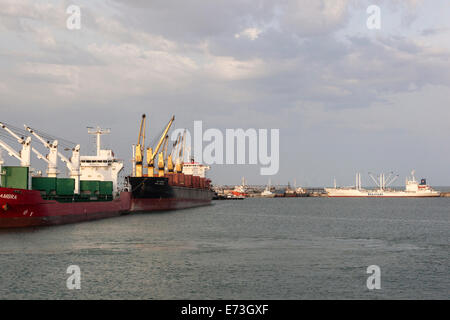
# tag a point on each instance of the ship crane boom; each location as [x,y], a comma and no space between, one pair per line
[375,180]
[166,142]
[161,140]
[73,164]
[152,154]
[175,145]
[25,155]
[52,157]
[391,178]
[180,153]
[14,153]
[23,141]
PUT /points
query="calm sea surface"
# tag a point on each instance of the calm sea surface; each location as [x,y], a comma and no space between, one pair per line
[301,248]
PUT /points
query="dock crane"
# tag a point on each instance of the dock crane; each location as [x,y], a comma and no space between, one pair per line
[139,155]
[73,164]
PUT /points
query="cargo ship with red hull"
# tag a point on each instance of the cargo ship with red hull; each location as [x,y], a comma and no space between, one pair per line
[91,190]
[27,208]
[28,199]
[170,183]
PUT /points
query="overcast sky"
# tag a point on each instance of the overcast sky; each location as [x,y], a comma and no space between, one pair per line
[344,97]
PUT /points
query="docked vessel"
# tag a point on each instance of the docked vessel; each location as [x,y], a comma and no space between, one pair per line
[267,193]
[413,189]
[300,192]
[29,199]
[289,192]
[241,190]
[176,184]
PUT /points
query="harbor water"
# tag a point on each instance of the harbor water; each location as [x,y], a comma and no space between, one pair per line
[282,248]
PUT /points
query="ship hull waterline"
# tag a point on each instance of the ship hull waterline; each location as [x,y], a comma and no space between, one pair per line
[155,194]
[26,208]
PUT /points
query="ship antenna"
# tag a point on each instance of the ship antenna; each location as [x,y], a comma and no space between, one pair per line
[98,132]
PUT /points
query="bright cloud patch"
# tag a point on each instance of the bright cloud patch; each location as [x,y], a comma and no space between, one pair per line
[250,33]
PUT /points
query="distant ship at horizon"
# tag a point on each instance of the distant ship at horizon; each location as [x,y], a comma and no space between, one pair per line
[241,190]
[412,189]
[267,193]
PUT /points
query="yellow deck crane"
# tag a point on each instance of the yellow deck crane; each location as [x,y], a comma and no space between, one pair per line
[160,165]
[180,156]
[162,158]
[165,145]
[139,157]
[170,165]
[152,154]
[164,162]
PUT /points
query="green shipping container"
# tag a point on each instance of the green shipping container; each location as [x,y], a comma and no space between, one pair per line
[106,188]
[90,187]
[44,184]
[65,186]
[15,177]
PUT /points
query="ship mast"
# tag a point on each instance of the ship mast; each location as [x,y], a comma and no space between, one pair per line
[98,132]
[358,181]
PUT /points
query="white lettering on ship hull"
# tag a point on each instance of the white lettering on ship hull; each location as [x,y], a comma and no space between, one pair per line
[8,196]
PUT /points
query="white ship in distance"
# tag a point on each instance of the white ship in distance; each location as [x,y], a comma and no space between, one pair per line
[413,188]
[267,193]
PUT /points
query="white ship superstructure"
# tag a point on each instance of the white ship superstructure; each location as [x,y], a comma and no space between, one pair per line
[195,169]
[103,166]
[413,188]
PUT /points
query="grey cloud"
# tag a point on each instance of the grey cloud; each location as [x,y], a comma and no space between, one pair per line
[191,20]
